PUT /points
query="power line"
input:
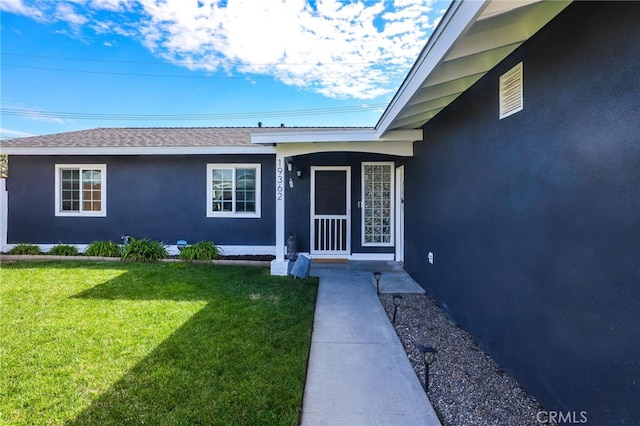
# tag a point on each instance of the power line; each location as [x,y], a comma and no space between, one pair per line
[29,113]
[338,75]
[136,74]
[176,62]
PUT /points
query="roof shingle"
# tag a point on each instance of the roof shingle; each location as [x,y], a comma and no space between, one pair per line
[155,137]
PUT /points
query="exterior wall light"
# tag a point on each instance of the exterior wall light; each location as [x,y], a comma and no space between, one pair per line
[377,276]
[428,357]
[290,170]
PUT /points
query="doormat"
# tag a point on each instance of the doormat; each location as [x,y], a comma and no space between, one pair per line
[323,260]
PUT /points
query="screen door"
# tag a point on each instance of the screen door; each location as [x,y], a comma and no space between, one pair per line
[330,210]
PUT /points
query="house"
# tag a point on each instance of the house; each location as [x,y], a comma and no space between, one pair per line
[504,173]
[215,184]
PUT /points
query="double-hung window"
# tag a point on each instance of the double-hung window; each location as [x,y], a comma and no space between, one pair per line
[81,190]
[233,190]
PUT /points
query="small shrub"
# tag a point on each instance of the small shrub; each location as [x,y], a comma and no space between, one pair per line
[63,250]
[103,249]
[25,249]
[203,250]
[144,250]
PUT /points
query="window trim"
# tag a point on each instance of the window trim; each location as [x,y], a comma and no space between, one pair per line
[234,167]
[103,190]
[392,218]
[512,100]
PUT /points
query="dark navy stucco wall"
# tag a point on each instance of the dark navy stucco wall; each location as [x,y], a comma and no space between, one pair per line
[298,219]
[157,197]
[534,220]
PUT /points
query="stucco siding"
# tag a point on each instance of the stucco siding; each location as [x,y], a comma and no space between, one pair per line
[534,220]
[157,197]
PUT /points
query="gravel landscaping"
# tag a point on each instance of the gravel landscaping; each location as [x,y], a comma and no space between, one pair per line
[466,387]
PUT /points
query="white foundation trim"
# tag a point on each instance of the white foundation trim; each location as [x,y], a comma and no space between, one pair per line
[230,250]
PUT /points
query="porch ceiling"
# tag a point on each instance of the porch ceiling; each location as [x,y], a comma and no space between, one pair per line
[472,38]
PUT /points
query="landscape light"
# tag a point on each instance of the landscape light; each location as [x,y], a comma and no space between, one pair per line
[428,357]
[396,301]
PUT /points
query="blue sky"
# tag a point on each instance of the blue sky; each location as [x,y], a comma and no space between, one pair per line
[78,64]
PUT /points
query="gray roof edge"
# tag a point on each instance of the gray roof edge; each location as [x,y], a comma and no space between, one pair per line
[155,137]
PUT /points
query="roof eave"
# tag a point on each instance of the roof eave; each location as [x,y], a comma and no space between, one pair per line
[169,150]
[456,19]
[471,38]
[349,136]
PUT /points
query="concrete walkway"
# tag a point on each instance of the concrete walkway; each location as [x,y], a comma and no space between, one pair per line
[358,371]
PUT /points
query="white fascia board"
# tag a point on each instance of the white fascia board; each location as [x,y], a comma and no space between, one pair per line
[320,136]
[129,150]
[459,17]
[402,149]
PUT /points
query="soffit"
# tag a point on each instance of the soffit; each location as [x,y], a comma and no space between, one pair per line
[471,39]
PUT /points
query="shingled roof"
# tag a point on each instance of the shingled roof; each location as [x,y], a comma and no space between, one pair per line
[154,137]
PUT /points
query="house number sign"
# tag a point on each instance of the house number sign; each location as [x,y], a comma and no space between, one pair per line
[279,181]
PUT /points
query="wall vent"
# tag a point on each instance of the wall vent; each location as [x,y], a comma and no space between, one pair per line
[511,98]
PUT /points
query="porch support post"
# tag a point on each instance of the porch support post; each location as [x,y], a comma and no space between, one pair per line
[280,265]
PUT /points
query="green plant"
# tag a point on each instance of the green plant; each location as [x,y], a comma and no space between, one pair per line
[63,250]
[25,249]
[103,249]
[144,250]
[4,165]
[118,343]
[203,250]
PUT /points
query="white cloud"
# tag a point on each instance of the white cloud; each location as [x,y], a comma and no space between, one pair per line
[18,6]
[66,12]
[9,133]
[112,5]
[358,49]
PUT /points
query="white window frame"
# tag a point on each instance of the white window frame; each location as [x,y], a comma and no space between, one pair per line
[103,190]
[391,242]
[234,167]
[511,91]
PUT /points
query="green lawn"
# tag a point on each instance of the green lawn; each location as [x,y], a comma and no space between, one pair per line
[167,343]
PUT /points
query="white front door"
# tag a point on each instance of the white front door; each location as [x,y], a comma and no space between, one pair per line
[400,214]
[330,210]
